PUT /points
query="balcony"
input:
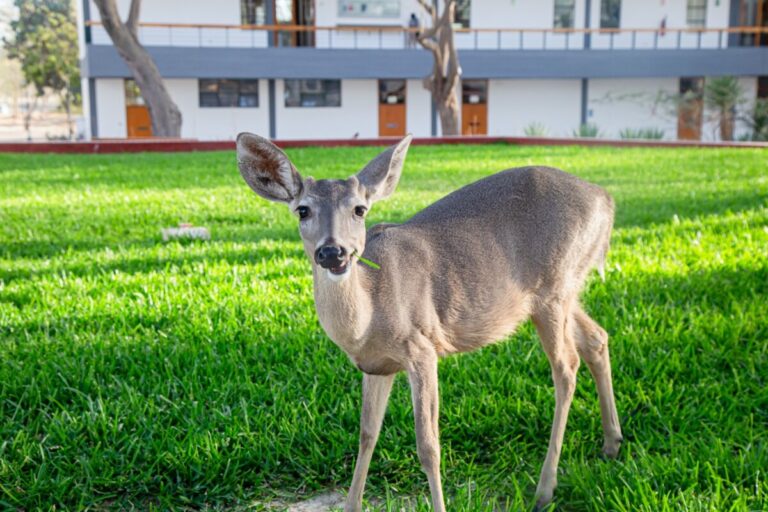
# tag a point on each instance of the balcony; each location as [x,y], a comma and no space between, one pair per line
[399,38]
[244,51]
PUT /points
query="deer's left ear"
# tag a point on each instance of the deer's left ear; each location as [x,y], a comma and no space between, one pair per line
[267,169]
[381,175]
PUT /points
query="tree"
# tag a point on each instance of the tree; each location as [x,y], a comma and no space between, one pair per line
[723,94]
[166,116]
[443,81]
[45,44]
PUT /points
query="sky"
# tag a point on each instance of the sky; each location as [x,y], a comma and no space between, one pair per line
[6,6]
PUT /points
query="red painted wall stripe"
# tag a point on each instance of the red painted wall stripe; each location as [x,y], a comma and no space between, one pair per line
[176,145]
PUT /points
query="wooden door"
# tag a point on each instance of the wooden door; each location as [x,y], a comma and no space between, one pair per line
[392,108]
[474,107]
[138,121]
[691,108]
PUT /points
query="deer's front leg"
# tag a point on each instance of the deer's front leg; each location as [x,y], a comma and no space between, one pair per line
[422,375]
[375,396]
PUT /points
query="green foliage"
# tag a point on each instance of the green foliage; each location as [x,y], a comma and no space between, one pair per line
[722,92]
[45,43]
[137,374]
[642,133]
[587,130]
[536,130]
[758,120]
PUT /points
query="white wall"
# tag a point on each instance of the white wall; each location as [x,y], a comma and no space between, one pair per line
[217,123]
[519,14]
[418,108]
[649,14]
[514,104]
[358,113]
[191,12]
[616,104]
[110,108]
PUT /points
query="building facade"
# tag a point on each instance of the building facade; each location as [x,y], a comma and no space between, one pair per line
[347,68]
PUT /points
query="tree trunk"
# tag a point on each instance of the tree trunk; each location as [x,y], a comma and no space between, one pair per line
[68,110]
[166,117]
[726,124]
[446,71]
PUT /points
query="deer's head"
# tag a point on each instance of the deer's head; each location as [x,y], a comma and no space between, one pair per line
[331,213]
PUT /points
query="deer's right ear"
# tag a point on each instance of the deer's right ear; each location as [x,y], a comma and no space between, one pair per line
[267,169]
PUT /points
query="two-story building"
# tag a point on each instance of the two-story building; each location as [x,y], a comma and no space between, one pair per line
[349,68]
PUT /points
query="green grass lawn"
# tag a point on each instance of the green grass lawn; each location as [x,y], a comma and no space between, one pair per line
[137,373]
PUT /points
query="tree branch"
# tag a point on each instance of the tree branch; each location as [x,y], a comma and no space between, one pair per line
[132,23]
[428,7]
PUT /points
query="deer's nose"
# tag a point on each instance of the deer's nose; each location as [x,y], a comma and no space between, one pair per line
[329,256]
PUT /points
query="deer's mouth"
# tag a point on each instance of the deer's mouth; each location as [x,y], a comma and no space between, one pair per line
[339,269]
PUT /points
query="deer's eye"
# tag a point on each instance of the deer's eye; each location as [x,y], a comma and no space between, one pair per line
[303,212]
[360,211]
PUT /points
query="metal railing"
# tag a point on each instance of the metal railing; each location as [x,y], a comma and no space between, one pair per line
[395,37]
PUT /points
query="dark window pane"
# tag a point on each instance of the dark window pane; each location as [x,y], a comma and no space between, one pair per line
[312,93]
[696,14]
[565,11]
[252,12]
[474,91]
[392,92]
[462,16]
[229,93]
[610,13]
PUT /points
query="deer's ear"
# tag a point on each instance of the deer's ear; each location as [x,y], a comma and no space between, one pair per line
[267,169]
[381,175]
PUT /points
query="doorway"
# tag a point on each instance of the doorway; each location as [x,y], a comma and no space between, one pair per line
[294,13]
[391,108]
[137,119]
[691,108]
[474,107]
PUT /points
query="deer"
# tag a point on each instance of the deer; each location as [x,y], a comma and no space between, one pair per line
[459,275]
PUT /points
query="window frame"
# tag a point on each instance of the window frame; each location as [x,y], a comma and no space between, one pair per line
[303,83]
[460,20]
[252,90]
[245,14]
[559,6]
[696,6]
[604,6]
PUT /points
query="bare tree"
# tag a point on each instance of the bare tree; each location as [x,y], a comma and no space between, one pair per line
[166,117]
[446,71]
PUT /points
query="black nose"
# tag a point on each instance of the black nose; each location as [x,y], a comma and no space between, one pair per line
[329,256]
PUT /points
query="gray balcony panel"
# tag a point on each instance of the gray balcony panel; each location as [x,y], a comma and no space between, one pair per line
[174,62]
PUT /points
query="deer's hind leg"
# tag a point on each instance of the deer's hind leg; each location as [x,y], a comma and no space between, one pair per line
[550,321]
[592,344]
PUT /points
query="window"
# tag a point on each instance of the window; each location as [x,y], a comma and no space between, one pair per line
[610,13]
[462,13]
[474,92]
[229,93]
[696,14]
[565,12]
[313,93]
[253,12]
[391,92]
[132,93]
[368,9]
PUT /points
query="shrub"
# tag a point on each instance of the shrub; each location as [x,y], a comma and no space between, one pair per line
[587,130]
[536,130]
[642,133]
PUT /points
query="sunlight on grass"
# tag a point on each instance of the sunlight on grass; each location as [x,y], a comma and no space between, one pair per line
[138,373]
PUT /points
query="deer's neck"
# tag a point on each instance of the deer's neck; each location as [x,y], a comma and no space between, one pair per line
[344,307]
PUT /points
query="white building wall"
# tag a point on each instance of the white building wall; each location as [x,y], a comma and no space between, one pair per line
[418,109]
[617,104]
[644,14]
[110,108]
[515,104]
[187,12]
[529,14]
[358,114]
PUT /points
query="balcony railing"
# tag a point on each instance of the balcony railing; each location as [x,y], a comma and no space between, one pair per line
[393,37]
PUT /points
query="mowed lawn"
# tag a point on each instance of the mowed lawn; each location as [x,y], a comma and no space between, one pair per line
[141,374]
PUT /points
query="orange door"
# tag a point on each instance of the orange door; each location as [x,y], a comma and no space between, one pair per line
[138,121]
[474,119]
[474,107]
[690,109]
[391,108]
